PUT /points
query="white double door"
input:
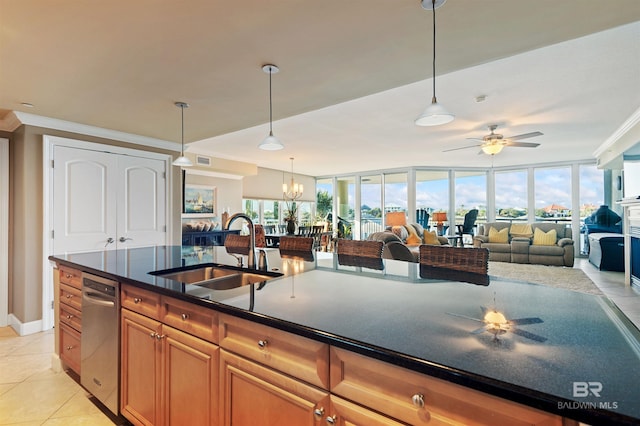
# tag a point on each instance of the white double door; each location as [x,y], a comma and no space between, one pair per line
[106,201]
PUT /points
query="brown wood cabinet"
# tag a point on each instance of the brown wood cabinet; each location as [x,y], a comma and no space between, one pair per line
[252,394]
[168,377]
[70,316]
[419,399]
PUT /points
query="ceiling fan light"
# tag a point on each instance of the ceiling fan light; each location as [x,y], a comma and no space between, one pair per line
[434,115]
[271,143]
[182,161]
[492,149]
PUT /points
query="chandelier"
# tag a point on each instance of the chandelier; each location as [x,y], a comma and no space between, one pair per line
[293,191]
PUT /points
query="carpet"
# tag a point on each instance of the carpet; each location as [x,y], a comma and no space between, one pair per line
[552,276]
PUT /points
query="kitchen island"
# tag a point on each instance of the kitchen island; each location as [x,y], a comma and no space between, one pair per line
[574,355]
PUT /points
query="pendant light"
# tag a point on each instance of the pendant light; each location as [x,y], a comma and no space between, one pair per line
[270,143]
[294,190]
[435,114]
[182,161]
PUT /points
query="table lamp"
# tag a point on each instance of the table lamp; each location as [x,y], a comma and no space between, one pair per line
[439,217]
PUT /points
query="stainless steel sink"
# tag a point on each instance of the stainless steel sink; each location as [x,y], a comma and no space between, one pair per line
[217,277]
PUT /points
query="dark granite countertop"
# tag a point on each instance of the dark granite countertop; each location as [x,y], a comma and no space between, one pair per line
[426,325]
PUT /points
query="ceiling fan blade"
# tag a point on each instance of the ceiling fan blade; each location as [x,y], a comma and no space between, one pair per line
[522,144]
[464,147]
[525,136]
[476,139]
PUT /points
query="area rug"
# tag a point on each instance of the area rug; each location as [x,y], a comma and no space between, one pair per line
[552,276]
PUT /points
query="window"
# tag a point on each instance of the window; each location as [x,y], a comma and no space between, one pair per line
[432,193]
[395,192]
[553,194]
[471,193]
[324,199]
[511,195]
[345,199]
[370,205]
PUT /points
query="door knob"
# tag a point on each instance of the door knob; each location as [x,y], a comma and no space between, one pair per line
[109,241]
[123,239]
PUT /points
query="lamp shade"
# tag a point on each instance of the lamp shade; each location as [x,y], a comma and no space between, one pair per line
[182,161]
[395,219]
[271,143]
[440,217]
[492,149]
[434,115]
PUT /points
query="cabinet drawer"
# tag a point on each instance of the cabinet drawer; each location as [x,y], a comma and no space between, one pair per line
[297,356]
[71,316]
[70,347]
[70,276]
[71,296]
[141,301]
[193,319]
[392,390]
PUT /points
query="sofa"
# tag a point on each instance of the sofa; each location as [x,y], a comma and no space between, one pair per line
[537,243]
[400,241]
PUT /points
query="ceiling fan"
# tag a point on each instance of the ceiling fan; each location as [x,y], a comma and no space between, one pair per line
[493,143]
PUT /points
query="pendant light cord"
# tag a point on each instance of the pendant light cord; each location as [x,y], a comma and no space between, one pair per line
[433,3]
[270,104]
[182,133]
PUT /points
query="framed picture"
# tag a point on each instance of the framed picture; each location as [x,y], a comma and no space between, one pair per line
[199,200]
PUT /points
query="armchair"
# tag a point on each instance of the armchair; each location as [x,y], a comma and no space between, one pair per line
[469,224]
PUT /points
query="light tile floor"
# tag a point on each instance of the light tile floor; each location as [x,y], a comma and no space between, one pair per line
[32,394]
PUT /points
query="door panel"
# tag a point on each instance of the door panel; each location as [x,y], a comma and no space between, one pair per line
[83,205]
[142,215]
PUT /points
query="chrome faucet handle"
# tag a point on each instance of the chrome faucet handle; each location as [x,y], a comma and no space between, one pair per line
[262,260]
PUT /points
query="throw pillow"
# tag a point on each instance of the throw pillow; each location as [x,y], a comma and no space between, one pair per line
[496,236]
[413,240]
[401,232]
[431,238]
[411,231]
[521,230]
[541,238]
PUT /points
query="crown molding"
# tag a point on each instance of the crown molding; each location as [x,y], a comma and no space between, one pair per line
[625,128]
[10,122]
[16,118]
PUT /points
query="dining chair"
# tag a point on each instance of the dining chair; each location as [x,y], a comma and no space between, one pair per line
[238,244]
[362,253]
[463,264]
[296,243]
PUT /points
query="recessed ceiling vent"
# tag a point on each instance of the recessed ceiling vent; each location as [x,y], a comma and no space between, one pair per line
[201,160]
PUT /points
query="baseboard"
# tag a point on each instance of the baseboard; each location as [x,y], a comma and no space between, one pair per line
[24,329]
[56,364]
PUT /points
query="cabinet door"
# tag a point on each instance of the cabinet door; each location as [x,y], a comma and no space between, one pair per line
[140,369]
[190,379]
[257,395]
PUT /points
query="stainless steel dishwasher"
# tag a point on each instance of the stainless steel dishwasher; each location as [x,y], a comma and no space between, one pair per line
[100,341]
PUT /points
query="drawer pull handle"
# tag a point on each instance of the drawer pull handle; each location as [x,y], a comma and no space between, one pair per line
[69,348]
[160,336]
[68,275]
[262,344]
[69,296]
[69,316]
[318,413]
[418,400]
[331,420]
[152,334]
[185,317]
[137,300]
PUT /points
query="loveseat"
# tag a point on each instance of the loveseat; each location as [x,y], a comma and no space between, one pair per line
[537,243]
[400,242]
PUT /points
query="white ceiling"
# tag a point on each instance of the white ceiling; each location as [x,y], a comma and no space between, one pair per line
[351,80]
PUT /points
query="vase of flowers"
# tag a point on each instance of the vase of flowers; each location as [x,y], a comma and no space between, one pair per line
[291,218]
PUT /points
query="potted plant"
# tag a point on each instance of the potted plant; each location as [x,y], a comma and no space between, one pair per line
[290,218]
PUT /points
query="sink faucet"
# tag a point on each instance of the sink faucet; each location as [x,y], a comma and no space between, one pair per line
[251,258]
